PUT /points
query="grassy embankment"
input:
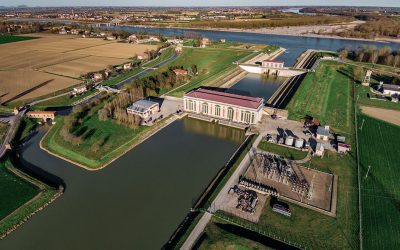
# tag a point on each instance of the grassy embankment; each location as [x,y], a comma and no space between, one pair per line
[380,187]
[20,195]
[3,131]
[326,94]
[288,153]
[12,38]
[211,63]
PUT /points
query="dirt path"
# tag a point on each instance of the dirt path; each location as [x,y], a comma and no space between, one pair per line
[388,115]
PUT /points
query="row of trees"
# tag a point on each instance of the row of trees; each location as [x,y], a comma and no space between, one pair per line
[166,80]
[268,23]
[373,54]
[383,27]
[116,108]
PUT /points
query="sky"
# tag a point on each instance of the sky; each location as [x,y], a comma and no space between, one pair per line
[390,3]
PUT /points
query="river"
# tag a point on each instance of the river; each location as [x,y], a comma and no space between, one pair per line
[139,200]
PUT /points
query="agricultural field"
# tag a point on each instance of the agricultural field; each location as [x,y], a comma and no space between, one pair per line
[210,63]
[380,187]
[14,191]
[51,63]
[325,94]
[12,39]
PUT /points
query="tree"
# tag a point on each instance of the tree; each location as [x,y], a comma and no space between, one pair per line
[343,54]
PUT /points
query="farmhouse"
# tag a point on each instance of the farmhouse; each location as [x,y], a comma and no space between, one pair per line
[180,72]
[323,133]
[143,108]
[224,106]
[343,148]
[175,41]
[272,64]
[204,42]
[319,149]
[97,76]
[390,89]
[41,115]
[79,90]
[127,66]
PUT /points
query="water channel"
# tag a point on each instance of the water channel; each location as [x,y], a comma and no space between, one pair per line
[139,200]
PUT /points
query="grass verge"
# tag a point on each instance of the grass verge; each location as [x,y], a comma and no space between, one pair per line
[288,153]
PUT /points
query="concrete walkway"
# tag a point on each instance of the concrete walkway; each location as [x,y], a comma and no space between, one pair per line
[219,200]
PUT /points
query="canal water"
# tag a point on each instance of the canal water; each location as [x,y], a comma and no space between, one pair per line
[136,202]
[258,85]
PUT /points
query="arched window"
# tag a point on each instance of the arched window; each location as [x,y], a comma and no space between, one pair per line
[205,108]
[217,110]
[230,113]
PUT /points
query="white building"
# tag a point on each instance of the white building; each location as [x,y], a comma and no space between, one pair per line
[272,64]
[143,108]
[323,133]
[79,90]
[319,150]
[391,89]
[224,106]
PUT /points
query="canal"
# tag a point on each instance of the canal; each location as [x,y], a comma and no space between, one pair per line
[136,202]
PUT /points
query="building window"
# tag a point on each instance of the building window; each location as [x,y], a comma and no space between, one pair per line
[217,110]
[247,117]
[252,117]
[230,113]
[191,105]
[205,108]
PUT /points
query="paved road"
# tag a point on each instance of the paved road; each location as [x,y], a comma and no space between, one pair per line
[14,123]
[220,200]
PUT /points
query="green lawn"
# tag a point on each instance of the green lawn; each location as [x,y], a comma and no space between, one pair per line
[61,101]
[218,237]
[166,54]
[11,38]
[380,188]
[13,190]
[325,94]
[3,131]
[288,153]
[210,63]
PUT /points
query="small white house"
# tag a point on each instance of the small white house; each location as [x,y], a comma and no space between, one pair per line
[319,150]
[391,89]
[127,66]
[97,76]
[143,108]
[79,90]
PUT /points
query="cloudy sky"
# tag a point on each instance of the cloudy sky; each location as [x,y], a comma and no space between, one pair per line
[392,3]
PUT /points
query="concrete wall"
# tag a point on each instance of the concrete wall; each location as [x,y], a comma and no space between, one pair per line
[284,72]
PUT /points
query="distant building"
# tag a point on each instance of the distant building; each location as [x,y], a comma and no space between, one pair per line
[343,148]
[111,38]
[222,40]
[41,115]
[97,77]
[323,133]
[175,41]
[224,106]
[390,89]
[143,108]
[154,39]
[143,56]
[132,39]
[272,64]
[79,90]
[127,66]
[204,42]
[180,72]
[319,150]
[367,78]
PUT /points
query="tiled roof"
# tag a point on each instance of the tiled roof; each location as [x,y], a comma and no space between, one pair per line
[227,98]
[41,113]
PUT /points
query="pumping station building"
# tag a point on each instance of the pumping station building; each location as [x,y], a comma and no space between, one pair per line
[225,108]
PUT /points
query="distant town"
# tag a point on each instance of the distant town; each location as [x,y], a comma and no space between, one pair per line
[199,128]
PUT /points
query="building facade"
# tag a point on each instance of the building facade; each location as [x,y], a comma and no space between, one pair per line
[224,106]
[272,64]
[143,108]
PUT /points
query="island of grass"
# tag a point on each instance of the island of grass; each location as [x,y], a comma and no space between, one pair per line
[286,152]
[380,187]
[327,95]
[12,38]
[20,196]
[212,64]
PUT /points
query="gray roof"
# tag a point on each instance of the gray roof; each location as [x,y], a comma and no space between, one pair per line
[391,87]
[142,105]
[322,131]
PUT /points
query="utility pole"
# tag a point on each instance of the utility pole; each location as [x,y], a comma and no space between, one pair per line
[366,175]
[362,124]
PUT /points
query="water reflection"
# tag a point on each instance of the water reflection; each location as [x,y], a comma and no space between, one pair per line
[258,85]
[213,130]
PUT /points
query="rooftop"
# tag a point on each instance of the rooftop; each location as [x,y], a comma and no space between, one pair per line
[391,87]
[142,105]
[228,98]
[272,61]
[322,131]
